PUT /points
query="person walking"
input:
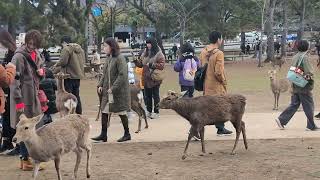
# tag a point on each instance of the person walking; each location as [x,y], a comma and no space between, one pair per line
[7,75]
[72,59]
[25,89]
[174,50]
[114,88]
[151,60]
[215,79]
[301,95]
[187,67]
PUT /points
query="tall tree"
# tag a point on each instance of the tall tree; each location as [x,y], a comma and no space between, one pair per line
[269,29]
[285,28]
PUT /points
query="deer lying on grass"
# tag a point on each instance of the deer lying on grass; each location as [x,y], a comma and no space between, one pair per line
[50,142]
[208,110]
[278,86]
[66,102]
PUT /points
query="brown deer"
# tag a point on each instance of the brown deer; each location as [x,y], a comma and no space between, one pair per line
[277,86]
[66,102]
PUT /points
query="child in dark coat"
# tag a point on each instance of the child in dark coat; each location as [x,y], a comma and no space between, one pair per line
[49,86]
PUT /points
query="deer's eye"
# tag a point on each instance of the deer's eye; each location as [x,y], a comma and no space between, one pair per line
[26,128]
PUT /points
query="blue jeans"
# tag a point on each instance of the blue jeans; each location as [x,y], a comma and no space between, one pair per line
[189,89]
[308,107]
[23,151]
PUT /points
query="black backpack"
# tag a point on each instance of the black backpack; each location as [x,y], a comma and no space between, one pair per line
[201,73]
[199,77]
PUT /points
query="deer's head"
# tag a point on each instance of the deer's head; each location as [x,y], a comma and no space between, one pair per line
[172,96]
[272,74]
[26,128]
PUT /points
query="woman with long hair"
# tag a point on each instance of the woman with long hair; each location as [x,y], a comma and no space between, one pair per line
[152,59]
[114,88]
[6,77]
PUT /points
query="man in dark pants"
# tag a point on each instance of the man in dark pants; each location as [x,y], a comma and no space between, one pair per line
[72,59]
[300,95]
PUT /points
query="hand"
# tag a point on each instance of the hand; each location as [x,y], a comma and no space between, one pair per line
[40,72]
[109,91]
[21,110]
[99,90]
[11,65]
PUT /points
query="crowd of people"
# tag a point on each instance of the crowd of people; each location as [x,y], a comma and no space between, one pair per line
[28,87]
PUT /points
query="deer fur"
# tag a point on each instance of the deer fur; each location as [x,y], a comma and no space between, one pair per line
[208,110]
[278,86]
[136,107]
[66,102]
[50,142]
[278,61]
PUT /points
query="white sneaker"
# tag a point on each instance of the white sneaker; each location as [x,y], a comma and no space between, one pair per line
[281,127]
[149,115]
[155,116]
[315,129]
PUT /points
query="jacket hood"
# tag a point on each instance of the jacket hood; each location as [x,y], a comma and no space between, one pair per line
[74,48]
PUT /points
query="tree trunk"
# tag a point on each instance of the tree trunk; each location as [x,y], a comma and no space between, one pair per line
[269,31]
[301,23]
[243,41]
[285,30]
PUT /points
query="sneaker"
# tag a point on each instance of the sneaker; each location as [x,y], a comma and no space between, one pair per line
[149,115]
[224,132]
[315,129]
[281,127]
[14,152]
[317,116]
[155,116]
[6,146]
[197,137]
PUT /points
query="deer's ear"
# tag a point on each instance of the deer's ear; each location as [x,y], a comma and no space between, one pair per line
[37,118]
[23,117]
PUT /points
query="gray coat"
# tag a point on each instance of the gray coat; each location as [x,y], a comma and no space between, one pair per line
[25,89]
[119,84]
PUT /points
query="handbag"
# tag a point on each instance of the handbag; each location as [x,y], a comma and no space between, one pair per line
[157,75]
[295,74]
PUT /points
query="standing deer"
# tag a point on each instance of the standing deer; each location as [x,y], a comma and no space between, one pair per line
[277,86]
[66,102]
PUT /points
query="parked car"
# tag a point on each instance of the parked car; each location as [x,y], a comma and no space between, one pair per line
[56,49]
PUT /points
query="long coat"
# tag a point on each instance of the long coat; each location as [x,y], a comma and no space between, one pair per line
[25,89]
[119,84]
[215,79]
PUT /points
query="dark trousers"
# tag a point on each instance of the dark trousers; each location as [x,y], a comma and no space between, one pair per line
[73,86]
[23,151]
[189,89]
[8,132]
[308,107]
[144,97]
[152,93]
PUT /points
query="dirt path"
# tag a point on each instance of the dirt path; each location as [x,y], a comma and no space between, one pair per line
[266,159]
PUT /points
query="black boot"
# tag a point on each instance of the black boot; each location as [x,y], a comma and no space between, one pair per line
[317,116]
[125,123]
[104,123]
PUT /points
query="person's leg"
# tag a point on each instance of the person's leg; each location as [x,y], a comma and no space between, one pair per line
[185,88]
[287,114]
[76,92]
[104,129]
[72,86]
[156,99]
[7,134]
[125,124]
[308,108]
[148,98]
[191,91]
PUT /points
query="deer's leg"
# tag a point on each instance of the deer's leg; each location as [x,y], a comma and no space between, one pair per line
[278,101]
[36,170]
[202,140]
[57,166]
[243,130]
[275,101]
[192,132]
[88,149]
[78,152]
[237,126]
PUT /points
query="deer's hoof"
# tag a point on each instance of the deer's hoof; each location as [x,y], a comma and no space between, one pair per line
[233,153]
[146,127]
[184,157]
[137,132]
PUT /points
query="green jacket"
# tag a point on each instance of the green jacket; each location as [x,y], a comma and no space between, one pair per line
[72,59]
[307,69]
[119,84]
